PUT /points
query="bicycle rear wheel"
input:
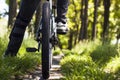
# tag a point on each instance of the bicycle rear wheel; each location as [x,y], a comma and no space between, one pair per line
[46,45]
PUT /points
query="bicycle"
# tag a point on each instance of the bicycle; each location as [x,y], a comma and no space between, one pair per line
[47,36]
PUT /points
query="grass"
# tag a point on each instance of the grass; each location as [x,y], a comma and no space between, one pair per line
[17,66]
[76,67]
[12,66]
[92,61]
[103,53]
[86,61]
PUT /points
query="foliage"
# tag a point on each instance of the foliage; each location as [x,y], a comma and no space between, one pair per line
[87,60]
[11,66]
[57,51]
[91,61]
[77,67]
[103,53]
[63,41]
[85,47]
[74,19]
[7,1]
[113,65]
[3,44]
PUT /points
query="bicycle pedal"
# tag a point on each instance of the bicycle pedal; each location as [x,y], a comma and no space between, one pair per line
[30,49]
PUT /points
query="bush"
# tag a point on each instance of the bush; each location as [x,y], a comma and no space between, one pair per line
[91,61]
[113,65]
[11,66]
[18,65]
[103,53]
[29,61]
[76,67]
[85,47]
[5,70]
[67,52]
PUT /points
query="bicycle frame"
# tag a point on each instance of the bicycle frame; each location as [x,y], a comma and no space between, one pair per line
[53,28]
[53,24]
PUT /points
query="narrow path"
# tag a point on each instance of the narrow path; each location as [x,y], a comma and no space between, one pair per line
[55,72]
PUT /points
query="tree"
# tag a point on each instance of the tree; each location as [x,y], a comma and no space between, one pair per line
[73,22]
[106,4]
[84,20]
[81,17]
[101,20]
[70,40]
[95,19]
[76,26]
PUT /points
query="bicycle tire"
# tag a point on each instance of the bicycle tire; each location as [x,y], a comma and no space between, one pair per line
[46,40]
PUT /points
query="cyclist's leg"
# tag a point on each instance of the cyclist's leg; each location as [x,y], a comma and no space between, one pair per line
[62,7]
[22,20]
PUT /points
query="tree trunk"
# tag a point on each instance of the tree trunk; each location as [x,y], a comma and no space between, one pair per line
[76,23]
[95,19]
[106,19]
[12,12]
[118,35]
[70,40]
[85,19]
[82,20]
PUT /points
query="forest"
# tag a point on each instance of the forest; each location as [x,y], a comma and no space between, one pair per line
[91,48]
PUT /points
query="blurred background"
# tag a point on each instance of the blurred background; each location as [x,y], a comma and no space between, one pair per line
[87,20]
[91,48]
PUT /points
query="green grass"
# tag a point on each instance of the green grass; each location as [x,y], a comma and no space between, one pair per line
[76,67]
[12,66]
[86,47]
[103,53]
[3,43]
[86,61]
[92,61]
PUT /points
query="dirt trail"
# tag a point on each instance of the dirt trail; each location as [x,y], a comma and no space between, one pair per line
[55,72]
